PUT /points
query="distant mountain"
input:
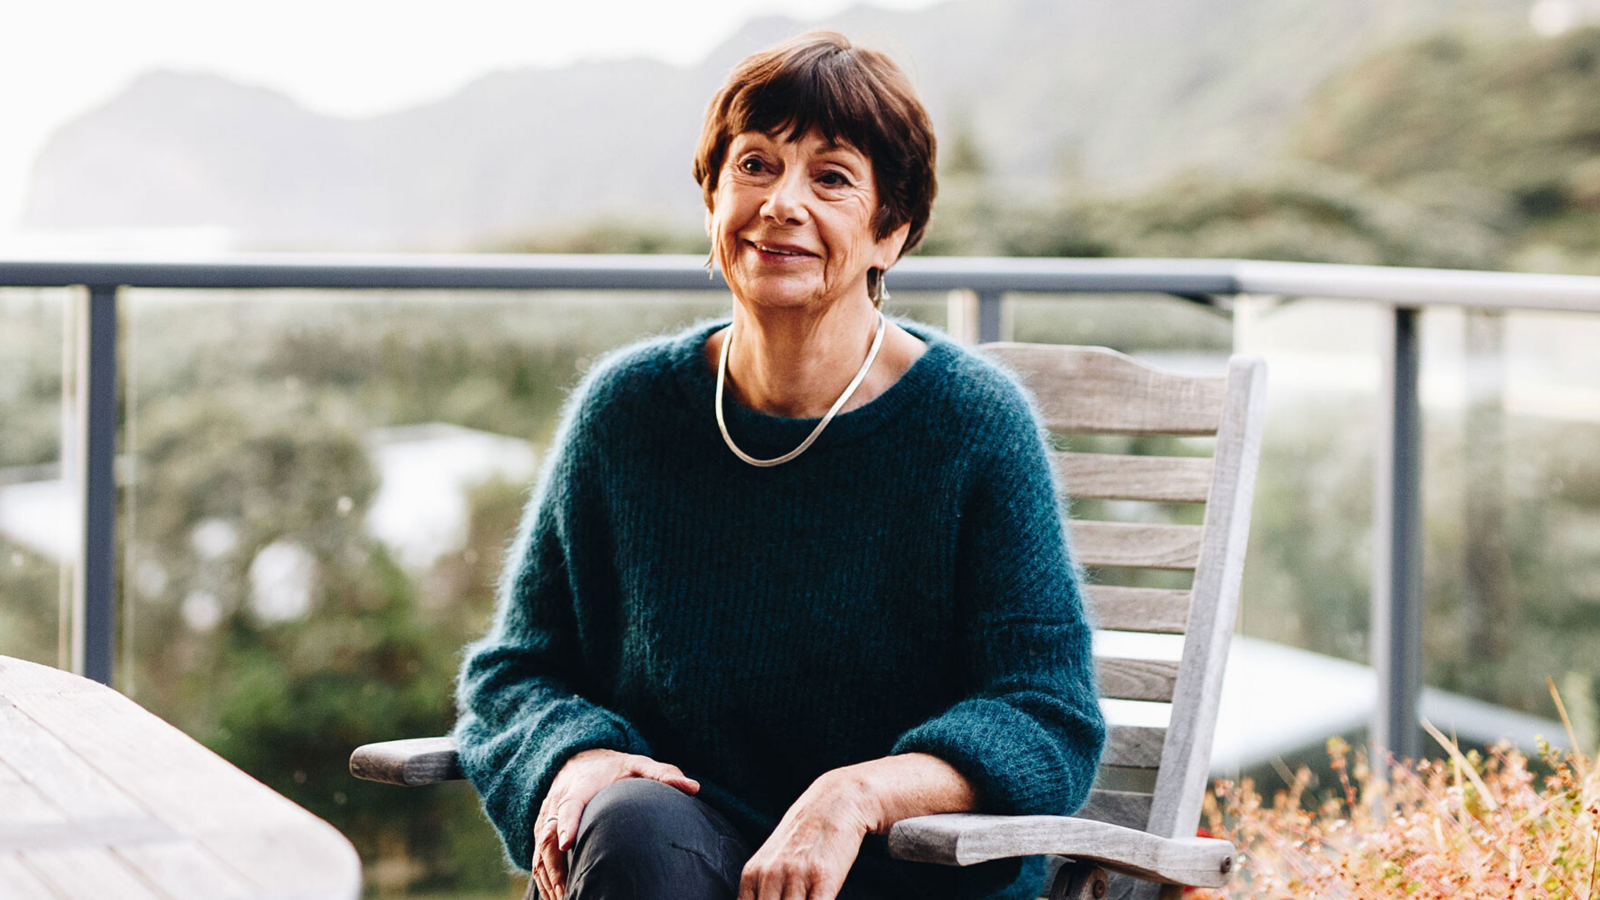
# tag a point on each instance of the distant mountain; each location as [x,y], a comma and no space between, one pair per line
[1105,93]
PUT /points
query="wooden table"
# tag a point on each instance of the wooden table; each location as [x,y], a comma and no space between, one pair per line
[100,799]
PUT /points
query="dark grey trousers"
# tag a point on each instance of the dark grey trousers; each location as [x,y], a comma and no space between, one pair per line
[639,839]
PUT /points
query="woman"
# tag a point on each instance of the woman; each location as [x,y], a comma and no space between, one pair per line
[790,579]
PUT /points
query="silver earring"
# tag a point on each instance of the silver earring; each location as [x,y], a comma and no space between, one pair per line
[875,286]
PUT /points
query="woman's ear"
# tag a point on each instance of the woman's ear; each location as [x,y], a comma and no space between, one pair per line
[886,252]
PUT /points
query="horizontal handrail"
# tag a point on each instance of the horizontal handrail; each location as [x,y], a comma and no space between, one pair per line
[491,271]
[1421,287]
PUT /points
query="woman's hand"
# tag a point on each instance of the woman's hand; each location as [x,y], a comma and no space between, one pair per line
[811,851]
[580,779]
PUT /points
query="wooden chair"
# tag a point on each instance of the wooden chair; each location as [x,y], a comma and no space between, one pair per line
[1135,837]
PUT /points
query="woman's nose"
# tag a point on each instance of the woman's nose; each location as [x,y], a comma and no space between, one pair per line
[786,200]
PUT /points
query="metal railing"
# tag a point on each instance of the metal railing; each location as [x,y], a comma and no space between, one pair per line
[1397,558]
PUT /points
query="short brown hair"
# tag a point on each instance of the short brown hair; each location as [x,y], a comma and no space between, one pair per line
[851,95]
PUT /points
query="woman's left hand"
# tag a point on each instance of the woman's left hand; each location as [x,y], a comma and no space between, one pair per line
[810,852]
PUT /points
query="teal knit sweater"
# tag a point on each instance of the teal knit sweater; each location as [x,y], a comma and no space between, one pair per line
[903,586]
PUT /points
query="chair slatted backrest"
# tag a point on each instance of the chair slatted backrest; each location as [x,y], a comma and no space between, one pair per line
[1154,778]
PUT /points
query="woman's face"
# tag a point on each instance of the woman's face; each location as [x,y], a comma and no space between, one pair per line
[792,220]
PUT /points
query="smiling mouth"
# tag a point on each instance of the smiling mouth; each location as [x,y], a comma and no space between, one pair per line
[779,251]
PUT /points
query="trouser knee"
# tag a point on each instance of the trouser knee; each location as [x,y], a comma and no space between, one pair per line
[639,839]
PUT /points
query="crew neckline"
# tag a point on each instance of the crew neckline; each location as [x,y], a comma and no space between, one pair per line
[752,429]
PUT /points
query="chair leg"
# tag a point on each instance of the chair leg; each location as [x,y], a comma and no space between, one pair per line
[1079,881]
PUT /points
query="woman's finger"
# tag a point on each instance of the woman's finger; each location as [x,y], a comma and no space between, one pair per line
[541,871]
[566,824]
[796,887]
[674,776]
[555,863]
[550,887]
[771,885]
[536,880]
[827,887]
[536,866]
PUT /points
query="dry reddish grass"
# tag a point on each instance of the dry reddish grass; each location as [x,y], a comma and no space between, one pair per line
[1464,827]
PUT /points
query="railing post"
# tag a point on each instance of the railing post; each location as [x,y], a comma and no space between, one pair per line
[1397,548]
[961,321]
[990,325]
[94,619]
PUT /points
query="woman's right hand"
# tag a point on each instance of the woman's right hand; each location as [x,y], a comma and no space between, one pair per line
[585,775]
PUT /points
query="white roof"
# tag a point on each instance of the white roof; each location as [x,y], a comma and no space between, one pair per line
[1279,700]
[420,510]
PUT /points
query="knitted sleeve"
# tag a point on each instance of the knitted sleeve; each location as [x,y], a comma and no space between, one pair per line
[520,715]
[1029,733]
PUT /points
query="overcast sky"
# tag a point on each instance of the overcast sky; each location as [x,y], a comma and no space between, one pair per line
[61,58]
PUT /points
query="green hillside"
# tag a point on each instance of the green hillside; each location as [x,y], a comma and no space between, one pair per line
[1455,151]
[1510,126]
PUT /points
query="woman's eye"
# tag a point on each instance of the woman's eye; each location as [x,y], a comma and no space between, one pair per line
[834,179]
[752,165]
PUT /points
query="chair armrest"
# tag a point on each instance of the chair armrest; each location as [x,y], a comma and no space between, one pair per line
[963,839]
[409,763]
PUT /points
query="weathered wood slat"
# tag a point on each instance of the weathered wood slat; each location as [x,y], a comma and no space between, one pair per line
[91,874]
[1093,390]
[185,871]
[1122,778]
[209,792]
[409,762]
[965,839]
[258,833]
[24,806]
[1136,545]
[56,775]
[21,678]
[82,833]
[1105,476]
[20,882]
[1137,679]
[1134,746]
[1152,610]
[1185,764]
[262,855]
[1129,809]
[255,842]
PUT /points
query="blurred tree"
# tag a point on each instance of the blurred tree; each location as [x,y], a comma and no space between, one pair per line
[30,375]
[29,587]
[284,674]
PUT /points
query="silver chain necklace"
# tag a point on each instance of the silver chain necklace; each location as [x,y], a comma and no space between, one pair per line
[722,373]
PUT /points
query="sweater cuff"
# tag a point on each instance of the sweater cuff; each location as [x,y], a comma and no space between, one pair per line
[1014,767]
